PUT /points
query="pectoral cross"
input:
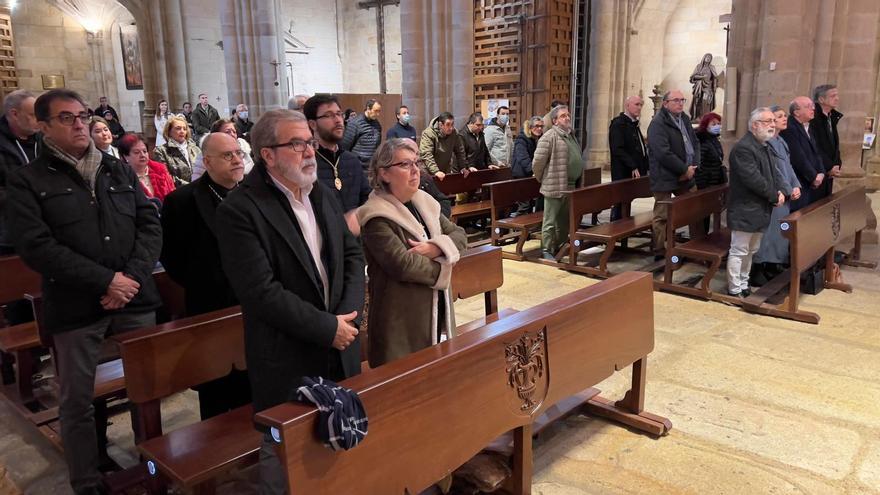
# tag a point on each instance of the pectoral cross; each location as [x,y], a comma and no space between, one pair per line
[379,5]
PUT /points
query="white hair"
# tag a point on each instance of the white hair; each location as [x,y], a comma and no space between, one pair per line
[756,114]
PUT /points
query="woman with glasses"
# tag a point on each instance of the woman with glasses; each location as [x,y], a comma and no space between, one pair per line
[524,147]
[180,152]
[410,249]
[102,136]
[154,178]
[226,126]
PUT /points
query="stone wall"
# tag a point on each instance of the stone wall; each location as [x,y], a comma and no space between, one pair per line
[360,59]
[313,22]
[49,42]
[205,65]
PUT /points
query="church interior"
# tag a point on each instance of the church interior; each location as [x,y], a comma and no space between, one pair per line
[773,392]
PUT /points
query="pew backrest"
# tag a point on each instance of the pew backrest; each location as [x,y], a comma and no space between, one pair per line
[508,193]
[433,410]
[457,183]
[479,271]
[821,225]
[693,207]
[17,279]
[171,357]
[595,198]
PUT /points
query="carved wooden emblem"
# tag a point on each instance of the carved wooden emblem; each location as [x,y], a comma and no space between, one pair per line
[835,221]
[527,372]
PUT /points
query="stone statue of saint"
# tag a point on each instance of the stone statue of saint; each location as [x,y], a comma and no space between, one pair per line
[705,81]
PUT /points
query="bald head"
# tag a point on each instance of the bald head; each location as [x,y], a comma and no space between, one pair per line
[223,158]
[633,106]
[802,109]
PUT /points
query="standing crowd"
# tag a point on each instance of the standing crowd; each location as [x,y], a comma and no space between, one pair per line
[283,215]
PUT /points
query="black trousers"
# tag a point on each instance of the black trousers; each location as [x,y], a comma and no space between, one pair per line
[224,394]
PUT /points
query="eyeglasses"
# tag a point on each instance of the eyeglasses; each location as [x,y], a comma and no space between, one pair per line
[229,155]
[67,118]
[332,115]
[678,100]
[766,122]
[538,126]
[297,145]
[407,165]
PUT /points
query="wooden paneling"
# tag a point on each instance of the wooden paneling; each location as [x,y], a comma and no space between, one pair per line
[8,75]
[522,52]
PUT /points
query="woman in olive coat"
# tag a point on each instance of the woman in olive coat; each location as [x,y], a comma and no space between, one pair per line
[410,249]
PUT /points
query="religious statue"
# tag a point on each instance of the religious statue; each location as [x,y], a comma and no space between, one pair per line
[705,81]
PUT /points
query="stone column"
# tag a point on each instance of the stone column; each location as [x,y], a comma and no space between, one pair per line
[437,53]
[810,43]
[254,54]
[609,50]
[96,47]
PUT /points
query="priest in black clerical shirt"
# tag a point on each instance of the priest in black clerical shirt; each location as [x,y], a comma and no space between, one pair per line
[191,256]
[338,169]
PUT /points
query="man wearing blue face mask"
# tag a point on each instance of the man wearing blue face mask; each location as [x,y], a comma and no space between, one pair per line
[402,129]
[242,124]
[499,139]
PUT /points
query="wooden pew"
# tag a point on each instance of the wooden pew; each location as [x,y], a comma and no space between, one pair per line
[457,183]
[169,358]
[594,199]
[483,384]
[18,341]
[687,209]
[504,197]
[813,232]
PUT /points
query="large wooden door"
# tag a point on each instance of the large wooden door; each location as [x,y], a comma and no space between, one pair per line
[8,74]
[522,52]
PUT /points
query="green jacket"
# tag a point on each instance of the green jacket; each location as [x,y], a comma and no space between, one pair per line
[441,153]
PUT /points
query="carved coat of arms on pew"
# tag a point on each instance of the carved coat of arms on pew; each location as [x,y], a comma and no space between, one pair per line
[527,372]
[835,221]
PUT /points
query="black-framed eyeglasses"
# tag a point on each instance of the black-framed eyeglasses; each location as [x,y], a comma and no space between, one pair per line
[407,165]
[332,115]
[229,155]
[297,145]
[67,118]
[678,100]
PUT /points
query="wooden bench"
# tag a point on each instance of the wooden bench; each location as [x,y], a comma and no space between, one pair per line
[601,197]
[169,358]
[689,209]
[457,183]
[813,232]
[18,341]
[504,197]
[500,378]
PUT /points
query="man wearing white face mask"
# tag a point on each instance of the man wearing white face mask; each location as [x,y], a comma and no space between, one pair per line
[242,123]
[499,139]
[402,129]
[756,187]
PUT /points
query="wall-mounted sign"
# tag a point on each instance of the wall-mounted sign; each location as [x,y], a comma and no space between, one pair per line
[53,81]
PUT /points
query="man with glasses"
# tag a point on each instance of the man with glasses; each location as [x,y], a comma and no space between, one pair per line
[191,255]
[805,159]
[339,170]
[81,220]
[673,158]
[629,153]
[756,187]
[559,168]
[296,269]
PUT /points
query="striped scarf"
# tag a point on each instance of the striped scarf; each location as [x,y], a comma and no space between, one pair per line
[87,166]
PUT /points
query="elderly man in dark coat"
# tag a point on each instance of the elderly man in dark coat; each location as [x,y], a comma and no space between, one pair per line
[674,155]
[756,186]
[295,268]
[824,130]
[804,154]
[629,153]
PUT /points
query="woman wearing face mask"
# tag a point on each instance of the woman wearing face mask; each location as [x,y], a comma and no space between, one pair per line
[179,152]
[710,172]
[160,119]
[102,136]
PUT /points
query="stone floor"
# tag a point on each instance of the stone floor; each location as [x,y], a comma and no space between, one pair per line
[758,404]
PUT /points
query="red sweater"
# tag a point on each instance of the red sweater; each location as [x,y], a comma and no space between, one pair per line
[160,180]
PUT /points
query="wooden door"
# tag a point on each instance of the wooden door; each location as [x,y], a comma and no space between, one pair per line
[522,53]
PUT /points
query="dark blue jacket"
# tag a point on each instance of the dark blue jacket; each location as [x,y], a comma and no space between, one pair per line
[401,131]
[804,159]
[523,153]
